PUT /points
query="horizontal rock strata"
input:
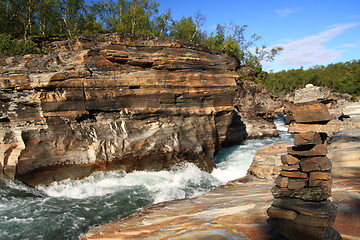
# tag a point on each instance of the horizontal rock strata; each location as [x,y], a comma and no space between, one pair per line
[256,108]
[115,101]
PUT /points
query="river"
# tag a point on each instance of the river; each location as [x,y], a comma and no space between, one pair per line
[68,209]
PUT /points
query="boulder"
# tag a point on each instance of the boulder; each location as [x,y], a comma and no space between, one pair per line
[267,161]
[307,138]
[310,112]
[316,194]
[315,164]
[311,93]
[308,150]
[329,128]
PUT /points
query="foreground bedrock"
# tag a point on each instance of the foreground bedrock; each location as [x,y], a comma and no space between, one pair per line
[115,101]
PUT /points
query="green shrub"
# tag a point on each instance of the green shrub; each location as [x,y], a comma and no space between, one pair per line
[10,46]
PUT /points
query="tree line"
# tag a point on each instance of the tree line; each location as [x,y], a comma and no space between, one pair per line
[24,21]
[339,77]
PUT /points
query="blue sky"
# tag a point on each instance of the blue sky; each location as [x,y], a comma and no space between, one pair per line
[312,32]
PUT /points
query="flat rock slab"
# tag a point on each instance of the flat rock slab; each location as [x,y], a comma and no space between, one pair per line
[310,112]
[234,211]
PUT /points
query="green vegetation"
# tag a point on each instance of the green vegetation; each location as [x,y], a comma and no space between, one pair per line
[339,77]
[25,24]
[11,46]
[30,19]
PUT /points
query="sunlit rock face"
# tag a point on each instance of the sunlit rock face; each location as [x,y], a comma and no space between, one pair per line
[115,101]
[257,109]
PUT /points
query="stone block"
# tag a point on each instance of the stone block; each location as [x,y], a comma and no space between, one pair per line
[311,112]
[318,193]
[323,209]
[281,181]
[324,183]
[294,174]
[315,164]
[290,167]
[308,150]
[314,221]
[289,159]
[288,229]
[319,176]
[297,183]
[275,212]
[306,138]
[331,127]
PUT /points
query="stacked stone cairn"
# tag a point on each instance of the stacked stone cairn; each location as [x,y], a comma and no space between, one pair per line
[302,209]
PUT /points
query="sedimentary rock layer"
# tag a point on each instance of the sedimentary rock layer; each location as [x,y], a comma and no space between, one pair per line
[115,101]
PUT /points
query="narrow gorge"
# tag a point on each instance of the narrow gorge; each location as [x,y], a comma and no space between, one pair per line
[118,102]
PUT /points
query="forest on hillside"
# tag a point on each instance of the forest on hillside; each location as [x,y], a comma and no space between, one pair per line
[29,26]
[24,23]
[339,77]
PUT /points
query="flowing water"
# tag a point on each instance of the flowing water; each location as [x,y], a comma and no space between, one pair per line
[68,209]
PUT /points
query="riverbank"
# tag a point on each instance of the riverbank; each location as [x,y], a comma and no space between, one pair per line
[234,211]
[238,209]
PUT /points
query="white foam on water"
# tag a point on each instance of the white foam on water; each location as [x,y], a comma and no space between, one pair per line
[282,128]
[20,220]
[235,161]
[235,165]
[98,184]
[182,181]
[70,206]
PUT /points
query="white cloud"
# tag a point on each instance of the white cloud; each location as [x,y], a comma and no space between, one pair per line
[285,12]
[350,45]
[310,50]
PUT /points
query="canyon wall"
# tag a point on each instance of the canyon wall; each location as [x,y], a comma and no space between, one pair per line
[256,106]
[115,101]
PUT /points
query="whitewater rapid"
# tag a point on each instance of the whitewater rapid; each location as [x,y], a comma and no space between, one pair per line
[67,209]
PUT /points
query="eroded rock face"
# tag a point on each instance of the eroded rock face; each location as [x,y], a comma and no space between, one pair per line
[115,101]
[257,109]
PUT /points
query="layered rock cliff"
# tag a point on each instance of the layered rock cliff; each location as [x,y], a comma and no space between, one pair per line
[257,108]
[115,101]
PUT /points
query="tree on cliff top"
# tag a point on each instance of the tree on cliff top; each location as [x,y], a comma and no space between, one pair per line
[69,18]
[232,40]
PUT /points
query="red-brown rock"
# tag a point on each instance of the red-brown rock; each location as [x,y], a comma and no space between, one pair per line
[290,167]
[281,181]
[308,150]
[116,101]
[311,112]
[309,138]
[319,176]
[315,164]
[294,174]
[289,159]
[297,183]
